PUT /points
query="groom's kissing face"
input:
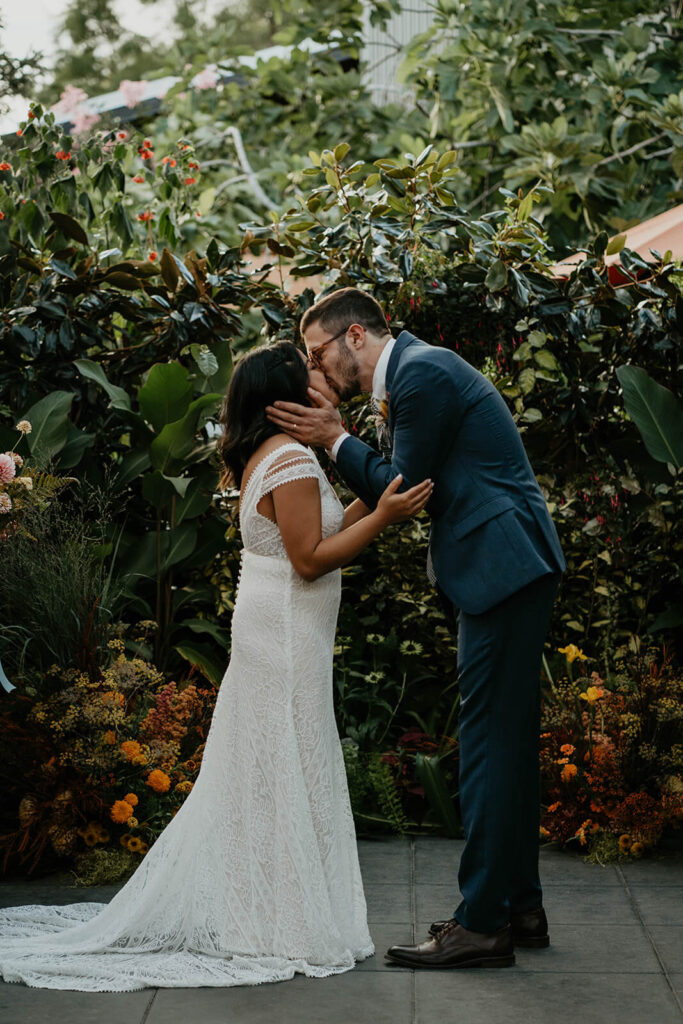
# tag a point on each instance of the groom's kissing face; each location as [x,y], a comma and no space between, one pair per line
[335,360]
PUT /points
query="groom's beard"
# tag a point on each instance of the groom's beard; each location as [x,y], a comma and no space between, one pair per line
[347,371]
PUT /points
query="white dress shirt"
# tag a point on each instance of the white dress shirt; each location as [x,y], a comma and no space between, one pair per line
[379,390]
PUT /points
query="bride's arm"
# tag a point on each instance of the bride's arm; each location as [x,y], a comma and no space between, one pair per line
[353,512]
[299,518]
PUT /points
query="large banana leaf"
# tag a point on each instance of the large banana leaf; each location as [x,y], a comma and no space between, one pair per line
[656,412]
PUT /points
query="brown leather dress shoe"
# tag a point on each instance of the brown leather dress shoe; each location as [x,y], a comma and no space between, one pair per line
[529,929]
[455,946]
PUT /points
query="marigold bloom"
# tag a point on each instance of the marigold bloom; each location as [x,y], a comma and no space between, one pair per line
[554,807]
[572,652]
[131,799]
[567,748]
[568,772]
[159,781]
[109,737]
[131,748]
[120,811]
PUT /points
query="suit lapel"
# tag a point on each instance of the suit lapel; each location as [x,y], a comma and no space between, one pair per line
[404,339]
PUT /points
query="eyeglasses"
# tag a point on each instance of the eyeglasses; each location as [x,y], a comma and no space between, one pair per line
[315,359]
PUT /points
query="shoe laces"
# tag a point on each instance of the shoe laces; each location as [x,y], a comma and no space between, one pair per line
[445,929]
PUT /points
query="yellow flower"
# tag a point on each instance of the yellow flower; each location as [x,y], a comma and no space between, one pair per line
[568,772]
[131,799]
[637,850]
[144,848]
[120,811]
[134,844]
[24,427]
[625,843]
[572,652]
[592,694]
[184,787]
[133,822]
[109,737]
[159,781]
[124,839]
[568,749]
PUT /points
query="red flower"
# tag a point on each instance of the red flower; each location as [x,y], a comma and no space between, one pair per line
[138,179]
[31,115]
[153,256]
[193,165]
[147,215]
[122,135]
[4,166]
[147,143]
[145,154]
[190,181]
[168,160]
[61,155]
[2,216]
[19,131]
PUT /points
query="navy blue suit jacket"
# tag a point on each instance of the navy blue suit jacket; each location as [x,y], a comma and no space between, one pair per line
[491,530]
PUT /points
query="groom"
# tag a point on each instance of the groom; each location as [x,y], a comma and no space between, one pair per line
[494,553]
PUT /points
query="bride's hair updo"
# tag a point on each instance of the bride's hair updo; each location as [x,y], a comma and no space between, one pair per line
[261,377]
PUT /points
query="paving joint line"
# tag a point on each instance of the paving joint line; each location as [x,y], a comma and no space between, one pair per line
[148,1008]
[643,925]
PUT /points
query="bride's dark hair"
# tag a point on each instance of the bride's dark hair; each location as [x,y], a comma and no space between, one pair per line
[261,377]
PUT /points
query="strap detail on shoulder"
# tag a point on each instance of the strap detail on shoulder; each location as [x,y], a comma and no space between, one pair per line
[293,463]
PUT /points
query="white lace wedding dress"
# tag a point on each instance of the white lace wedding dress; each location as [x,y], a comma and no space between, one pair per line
[256,878]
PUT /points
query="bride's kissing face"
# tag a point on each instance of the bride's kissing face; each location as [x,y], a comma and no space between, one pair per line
[318,380]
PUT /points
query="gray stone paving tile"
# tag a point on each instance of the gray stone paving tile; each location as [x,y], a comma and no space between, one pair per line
[669,942]
[356,996]
[562,866]
[654,871]
[22,1005]
[388,903]
[436,856]
[576,949]
[659,904]
[565,904]
[385,863]
[385,934]
[512,996]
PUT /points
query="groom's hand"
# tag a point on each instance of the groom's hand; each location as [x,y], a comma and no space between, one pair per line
[319,425]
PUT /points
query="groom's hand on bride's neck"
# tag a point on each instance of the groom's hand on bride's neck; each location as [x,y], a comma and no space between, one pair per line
[319,424]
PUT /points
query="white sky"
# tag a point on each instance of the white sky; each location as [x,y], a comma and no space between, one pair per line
[32,25]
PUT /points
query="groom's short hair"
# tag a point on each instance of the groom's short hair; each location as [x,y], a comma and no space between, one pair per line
[344,307]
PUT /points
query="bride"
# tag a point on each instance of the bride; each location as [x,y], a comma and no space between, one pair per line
[256,878]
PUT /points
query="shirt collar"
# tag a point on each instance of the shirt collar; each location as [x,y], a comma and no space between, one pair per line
[379,378]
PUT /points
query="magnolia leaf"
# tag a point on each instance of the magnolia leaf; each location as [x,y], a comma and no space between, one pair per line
[656,412]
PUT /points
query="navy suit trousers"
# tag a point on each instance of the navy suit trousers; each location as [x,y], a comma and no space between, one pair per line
[499,668]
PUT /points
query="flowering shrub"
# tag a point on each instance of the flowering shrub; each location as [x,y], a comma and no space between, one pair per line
[114,758]
[612,755]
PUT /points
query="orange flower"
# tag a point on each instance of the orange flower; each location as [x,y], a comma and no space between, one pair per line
[554,807]
[592,694]
[563,760]
[567,748]
[159,781]
[153,256]
[568,772]
[61,155]
[19,131]
[131,748]
[138,179]
[131,799]
[2,216]
[147,143]
[122,135]
[109,737]
[168,160]
[4,166]
[190,181]
[120,811]
[544,832]
[139,759]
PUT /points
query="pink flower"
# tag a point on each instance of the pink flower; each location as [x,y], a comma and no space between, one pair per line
[82,121]
[18,461]
[206,79]
[70,100]
[133,92]
[7,468]
[5,503]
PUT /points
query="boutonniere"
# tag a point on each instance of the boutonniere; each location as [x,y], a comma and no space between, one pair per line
[383,410]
